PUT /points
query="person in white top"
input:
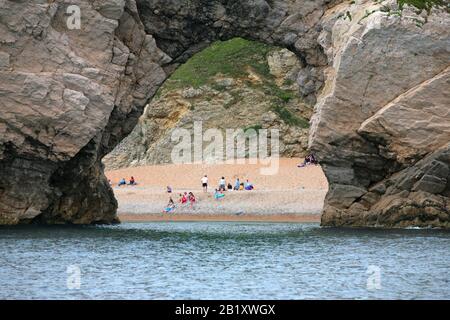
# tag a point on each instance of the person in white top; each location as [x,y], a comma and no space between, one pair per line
[222,184]
[205,183]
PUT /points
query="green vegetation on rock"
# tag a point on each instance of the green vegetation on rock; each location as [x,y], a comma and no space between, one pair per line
[255,127]
[235,59]
[229,58]
[289,118]
[277,92]
[426,5]
[234,84]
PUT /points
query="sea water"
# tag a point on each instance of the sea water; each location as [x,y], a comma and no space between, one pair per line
[229,260]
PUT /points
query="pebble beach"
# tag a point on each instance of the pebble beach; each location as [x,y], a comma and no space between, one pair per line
[292,194]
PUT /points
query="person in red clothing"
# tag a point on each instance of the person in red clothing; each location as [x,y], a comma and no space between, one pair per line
[184,198]
[192,199]
[132,181]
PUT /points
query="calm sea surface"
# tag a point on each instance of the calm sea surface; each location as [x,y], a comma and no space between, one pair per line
[214,260]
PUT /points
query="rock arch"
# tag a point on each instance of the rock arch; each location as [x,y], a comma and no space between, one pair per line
[381,126]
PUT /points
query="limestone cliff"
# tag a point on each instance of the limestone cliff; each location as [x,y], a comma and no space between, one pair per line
[236,84]
[382,123]
[377,73]
[67,97]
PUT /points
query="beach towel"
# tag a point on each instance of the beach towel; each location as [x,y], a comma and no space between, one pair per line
[169,209]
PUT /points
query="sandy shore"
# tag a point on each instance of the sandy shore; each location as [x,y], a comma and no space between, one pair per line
[292,195]
[220,217]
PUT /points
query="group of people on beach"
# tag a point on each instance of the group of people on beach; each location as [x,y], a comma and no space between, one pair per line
[309,159]
[123,182]
[224,186]
[184,199]
[190,199]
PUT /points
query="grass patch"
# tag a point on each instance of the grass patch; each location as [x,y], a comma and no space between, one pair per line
[288,82]
[270,88]
[158,92]
[230,58]
[255,127]
[289,118]
[426,5]
[233,59]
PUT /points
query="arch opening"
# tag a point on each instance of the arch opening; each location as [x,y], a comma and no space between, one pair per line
[375,95]
[226,102]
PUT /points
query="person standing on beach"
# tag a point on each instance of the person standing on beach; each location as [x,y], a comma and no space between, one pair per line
[205,183]
[222,184]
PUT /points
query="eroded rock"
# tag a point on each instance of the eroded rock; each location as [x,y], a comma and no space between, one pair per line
[220,103]
[383,115]
[381,119]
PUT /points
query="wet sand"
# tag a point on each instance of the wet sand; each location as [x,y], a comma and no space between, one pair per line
[299,218]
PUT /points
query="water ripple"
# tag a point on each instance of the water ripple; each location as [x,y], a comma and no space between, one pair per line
[223,261]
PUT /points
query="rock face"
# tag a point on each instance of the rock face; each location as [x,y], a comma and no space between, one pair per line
[67,98]
[377,75]
[235,97]
[382,123]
